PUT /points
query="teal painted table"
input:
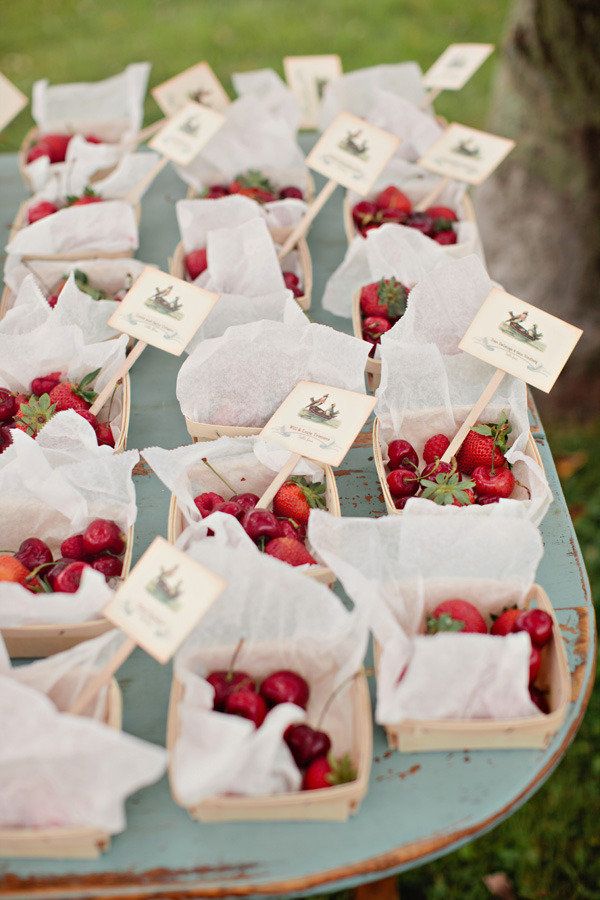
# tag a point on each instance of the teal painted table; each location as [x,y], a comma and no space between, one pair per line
[418,806]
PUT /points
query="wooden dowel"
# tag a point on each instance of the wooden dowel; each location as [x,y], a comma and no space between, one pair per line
[304,224]
[279,479]
[429,198]
[102,677]
[430,97]
[107,390]
[474,414]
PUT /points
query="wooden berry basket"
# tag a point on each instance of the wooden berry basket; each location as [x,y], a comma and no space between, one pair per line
[35,641]
[531,450]
[177,266]
[69,842]
[351,232]
[334,804]
[177,523]
[414,735]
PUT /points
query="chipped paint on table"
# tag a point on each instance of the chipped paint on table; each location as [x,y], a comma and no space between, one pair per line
[419,806]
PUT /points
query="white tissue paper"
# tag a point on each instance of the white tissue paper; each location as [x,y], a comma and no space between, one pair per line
[417,183]
[251,138]
[58,770]
[54,487]
[94,158]
[356,92]
[428,385]
[266,86]
[416,128]
[287,622]
[197,218]
[391,250]
[242,377]
[398,569]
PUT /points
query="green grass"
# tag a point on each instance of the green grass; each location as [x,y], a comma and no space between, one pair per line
[550,848]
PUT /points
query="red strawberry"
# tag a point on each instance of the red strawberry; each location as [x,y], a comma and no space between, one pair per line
[403,482]
[40,211]
[103,535]
[488,483]
[296,498]
[66,575]
[89,196]
[52,145]
[72,548]
[537,623]
[325,771]
[373,327]
[216,191]
[435,447]
[92,139]
[45,383]
[503,625]
[33,552]
[422,222]
[393,198]
[255,185]
[448,488]
[285,686]
[386,297]
[248,704]
[289,550]
[442,212]
[8,405]
[446,237]
[392,215]
[535,661]
[484,445]
[456,615]
[402,454]
[291,192]
[484,501]
[306,744]
[5,438]
[224,682]
[292,283]
[364,213]
[110,566]
[73,395]
[104,434]
[195,262]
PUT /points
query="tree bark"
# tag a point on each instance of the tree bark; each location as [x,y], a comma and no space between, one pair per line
[540,212]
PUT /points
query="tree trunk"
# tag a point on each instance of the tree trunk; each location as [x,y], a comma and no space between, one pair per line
[540,213]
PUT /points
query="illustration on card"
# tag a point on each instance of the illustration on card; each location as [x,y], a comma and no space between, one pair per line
[352,144]
[164,589]
[516,327]
[467,147]
[318,411]
[162,303]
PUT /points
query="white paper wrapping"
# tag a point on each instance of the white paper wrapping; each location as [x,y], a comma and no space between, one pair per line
[355,92]
[398,569]
[288,622]
[266,86]
[53,487]
[251,138]
[428,385]
[242,377]
[95,158]
[417,183]
[197,218]
[108,274]
[391,250]
[416,128]
[59,770]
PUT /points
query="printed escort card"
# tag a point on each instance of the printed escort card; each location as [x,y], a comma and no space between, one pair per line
[187,132]
[352,152]
[12,101]
[198,84]
[307,78]
[466,154]
[458,62]
[163,311]
[163,599]
[319,421]
[521,339]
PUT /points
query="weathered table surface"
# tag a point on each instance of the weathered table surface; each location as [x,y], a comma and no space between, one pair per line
[419,806]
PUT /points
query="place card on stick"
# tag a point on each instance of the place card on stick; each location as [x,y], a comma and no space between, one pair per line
[519,339]
[198,84]
[185,134]
[157,606]
[159,310]
[350,152]
[12,101]
[307,77]
[456,65]
[317,421]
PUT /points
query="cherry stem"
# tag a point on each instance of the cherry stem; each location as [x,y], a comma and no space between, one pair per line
[338,689]
[34,572]
[234,657]
[219,476]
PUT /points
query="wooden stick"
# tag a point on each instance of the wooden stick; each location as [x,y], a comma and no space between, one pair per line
[433,194]
[136,192]
[102,677]
[108,388]
[279,479]
[430,97]
[148,132]
[304,224]
[474,414]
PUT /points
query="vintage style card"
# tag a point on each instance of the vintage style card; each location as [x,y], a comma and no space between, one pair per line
[187,132]
[198,84]
[521,339]
[352,152]
[12,101]
[458,62]
[319,421]
[163,311]
[466,154]
[307,77]
[163,599]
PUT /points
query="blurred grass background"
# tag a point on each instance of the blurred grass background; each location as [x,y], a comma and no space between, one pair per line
[550,848]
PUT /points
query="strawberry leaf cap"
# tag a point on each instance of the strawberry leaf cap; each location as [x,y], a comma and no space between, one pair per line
[499,431]
[343,770]
[447,487]
[393,295]
[36,413]
[253,178]
[314,492]
[83,390]
[445,622]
